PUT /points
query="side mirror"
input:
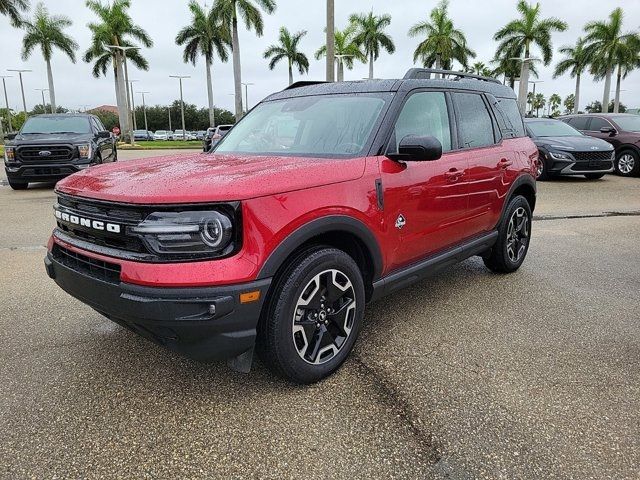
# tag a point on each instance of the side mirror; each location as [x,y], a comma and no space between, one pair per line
[104,134]
[10,136]
[610,130]
[416,148]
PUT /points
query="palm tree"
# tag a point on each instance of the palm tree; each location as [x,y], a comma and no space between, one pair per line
[575,62]
[46,32]
[288,49]
[370,35]
[230,9]
[518,36]
[569,104]
[206,35]
[509,66]
[538,102]
[607,47]
[12,9]
[554,102]
[443,43]
[479,68]
[346,49]
[113,28]
[628,60]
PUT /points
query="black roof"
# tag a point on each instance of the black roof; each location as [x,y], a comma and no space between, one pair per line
[460,82]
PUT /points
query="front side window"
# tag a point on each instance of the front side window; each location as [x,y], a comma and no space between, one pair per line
[579,123]
[598,123]
[474,121]
[322,125]
[35,125]
[424,113]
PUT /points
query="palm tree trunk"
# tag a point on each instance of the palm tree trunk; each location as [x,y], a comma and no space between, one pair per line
[237,75]
[121,101]
[607,89]
[340,71]
[52,92]
[524,83]
[212,117]
[576,105]
[371,66]
[290,73]
[331,42]
[616,103]
[438,64]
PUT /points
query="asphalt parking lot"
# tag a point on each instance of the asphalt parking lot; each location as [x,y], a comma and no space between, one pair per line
[465,375]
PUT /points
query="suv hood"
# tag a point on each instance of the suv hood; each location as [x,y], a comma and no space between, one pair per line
[201,178]
[578,144]
[49,138]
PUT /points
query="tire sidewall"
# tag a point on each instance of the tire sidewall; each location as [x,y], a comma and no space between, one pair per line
[636,164]
[292,365]
[514,204]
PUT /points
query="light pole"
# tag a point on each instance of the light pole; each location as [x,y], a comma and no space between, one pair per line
[144,110]
[340,61]
[126,81]
[246,93]
[180,77]
[6,99]
[44,105]
[331,41]
[24,102]
[133,105]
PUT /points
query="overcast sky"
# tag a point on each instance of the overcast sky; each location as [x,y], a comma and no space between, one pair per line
[76,87]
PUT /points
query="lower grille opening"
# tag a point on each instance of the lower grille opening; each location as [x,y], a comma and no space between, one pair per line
[105,271]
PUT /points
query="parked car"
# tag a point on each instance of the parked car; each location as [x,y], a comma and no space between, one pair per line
[619,129]
[213,136]
[179,135]
[162,135]
[322,198]
[51,147]
[563,150]
[142,135]
[200,135]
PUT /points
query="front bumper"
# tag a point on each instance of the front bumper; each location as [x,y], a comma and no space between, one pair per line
[570,167]
[44,172]
[205,324]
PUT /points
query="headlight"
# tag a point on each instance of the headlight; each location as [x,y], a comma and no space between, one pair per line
[195,234]
[9,154]
[84,150]
[559,156]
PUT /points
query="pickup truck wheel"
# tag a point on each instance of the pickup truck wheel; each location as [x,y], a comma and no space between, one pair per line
[514,233]
[314,316]
[16,185]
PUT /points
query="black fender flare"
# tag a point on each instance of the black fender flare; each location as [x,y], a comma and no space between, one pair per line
[330,223]
[525,179]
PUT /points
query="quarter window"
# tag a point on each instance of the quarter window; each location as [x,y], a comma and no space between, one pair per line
[513,117]
[474,122]
[424,113]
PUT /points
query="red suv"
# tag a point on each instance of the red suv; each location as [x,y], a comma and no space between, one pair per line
[323,198]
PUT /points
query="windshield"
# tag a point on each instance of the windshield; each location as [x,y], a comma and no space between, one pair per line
[56,125]
[552,128]
[322,125]
[630,123]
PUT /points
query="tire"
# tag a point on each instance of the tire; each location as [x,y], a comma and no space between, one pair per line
[627,163]
[541,174]
[512,245]
[594,176]
[291,326]
[17,185]
[115,154]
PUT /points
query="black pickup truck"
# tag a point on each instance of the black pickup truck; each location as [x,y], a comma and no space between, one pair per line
[51,147]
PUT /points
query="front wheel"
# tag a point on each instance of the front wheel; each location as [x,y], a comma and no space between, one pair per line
[514,233]
[541,168]
[627,163]
[314,315]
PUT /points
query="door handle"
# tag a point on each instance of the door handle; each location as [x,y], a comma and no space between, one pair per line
[504,163]
[453,174]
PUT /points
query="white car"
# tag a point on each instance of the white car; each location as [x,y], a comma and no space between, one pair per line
[162,135]
[181,135]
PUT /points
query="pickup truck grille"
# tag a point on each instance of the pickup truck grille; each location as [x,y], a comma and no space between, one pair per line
[590,156]
[45,153]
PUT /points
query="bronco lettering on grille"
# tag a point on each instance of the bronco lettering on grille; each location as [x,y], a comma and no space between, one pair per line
[87,222]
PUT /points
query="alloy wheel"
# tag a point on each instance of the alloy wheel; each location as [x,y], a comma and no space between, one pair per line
[626,163]
[324,316]
[539,167]
[517,234]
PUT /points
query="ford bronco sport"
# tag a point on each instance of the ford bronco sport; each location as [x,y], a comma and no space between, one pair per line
[324,197]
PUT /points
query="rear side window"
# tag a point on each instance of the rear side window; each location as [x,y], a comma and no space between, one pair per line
[424,113]
[511,113]
[474,121]
[579,123]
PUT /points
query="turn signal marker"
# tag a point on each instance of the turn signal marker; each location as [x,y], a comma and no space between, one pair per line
[249,297]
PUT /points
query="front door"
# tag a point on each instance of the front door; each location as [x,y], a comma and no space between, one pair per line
[425,203]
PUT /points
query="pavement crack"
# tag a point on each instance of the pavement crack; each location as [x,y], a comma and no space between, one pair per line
[396,402]
[634,213]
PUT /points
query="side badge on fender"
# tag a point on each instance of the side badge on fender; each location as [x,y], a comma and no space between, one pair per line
[400,221]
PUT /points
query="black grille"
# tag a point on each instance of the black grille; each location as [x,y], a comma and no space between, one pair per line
[45,153]
[592,165]
[105,271]
[589,156]
[47,171]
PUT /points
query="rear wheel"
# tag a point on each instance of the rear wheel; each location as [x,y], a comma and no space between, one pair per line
[627,163]
[594,176]
[514,233]
[18,185]
[314,315]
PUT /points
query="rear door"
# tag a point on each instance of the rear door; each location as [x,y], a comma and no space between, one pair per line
[425,203]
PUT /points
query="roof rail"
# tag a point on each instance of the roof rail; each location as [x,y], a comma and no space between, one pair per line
[304,83]
[425,74]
